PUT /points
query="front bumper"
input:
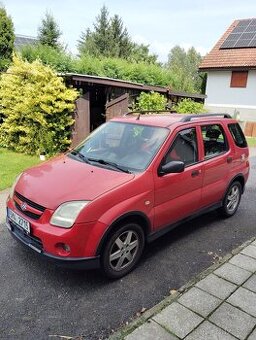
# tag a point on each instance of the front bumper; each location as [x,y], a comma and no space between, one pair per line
[35,245]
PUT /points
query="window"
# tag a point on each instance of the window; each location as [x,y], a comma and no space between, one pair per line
[239,79]
[237,135]
[214,140]
[184,148]
[129,146]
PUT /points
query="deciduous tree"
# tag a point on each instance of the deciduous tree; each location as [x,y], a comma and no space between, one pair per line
[185,66]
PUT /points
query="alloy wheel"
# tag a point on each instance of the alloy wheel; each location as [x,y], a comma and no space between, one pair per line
[124,250]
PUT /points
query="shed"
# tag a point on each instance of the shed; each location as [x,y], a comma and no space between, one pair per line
[104,98]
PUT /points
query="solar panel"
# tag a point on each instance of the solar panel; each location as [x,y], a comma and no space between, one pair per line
[242,36]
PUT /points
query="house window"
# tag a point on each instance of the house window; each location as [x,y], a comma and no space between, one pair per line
[239,79]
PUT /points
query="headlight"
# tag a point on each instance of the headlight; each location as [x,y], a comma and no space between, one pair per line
[14,185]
[66,214]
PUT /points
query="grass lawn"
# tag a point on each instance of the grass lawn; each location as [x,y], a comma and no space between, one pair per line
[11,164]
[251,141]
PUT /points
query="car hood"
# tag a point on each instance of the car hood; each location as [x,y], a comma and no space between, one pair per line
[65,179]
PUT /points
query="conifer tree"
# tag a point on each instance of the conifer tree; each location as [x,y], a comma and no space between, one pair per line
[110,38]
[49,32]
[6,39]
[120,40]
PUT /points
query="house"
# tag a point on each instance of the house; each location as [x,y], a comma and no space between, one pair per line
[231,72]
[23,40]
[103,98]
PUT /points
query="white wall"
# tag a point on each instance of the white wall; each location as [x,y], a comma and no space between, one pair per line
[223,98]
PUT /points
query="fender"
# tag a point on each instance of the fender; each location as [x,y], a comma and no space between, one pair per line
[240,178]
[115,211]
[131,215]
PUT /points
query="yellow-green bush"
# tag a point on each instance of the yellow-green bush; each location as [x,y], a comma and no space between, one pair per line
[188,105]
[151,101]
[36,108]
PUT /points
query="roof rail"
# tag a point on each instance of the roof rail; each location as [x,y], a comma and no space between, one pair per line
[148,111]
[189,117]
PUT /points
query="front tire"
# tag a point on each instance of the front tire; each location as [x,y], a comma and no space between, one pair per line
[232,199]
[122,250]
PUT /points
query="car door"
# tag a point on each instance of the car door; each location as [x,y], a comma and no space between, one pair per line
[217,163]
[178,195]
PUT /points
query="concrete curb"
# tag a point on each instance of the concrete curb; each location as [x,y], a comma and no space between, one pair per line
[127,329]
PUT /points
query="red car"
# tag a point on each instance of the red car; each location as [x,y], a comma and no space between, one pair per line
[130,181]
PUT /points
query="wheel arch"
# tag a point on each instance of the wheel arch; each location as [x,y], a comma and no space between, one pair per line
[238,178]
[133,216]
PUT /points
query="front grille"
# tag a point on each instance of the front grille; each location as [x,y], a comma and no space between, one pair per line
[26,238]
[31,203]
[27,212]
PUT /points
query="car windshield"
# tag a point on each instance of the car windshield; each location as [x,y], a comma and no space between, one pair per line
[121,146]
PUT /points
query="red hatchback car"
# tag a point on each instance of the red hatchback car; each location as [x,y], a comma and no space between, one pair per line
[130,181]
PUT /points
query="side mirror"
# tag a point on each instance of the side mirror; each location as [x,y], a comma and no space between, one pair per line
[171,167]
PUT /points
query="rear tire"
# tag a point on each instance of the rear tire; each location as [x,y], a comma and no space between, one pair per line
[122,250]
[231,200]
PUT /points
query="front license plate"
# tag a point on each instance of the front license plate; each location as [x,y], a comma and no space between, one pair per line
[18,220]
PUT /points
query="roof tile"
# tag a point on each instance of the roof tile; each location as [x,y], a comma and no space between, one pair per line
[229,58]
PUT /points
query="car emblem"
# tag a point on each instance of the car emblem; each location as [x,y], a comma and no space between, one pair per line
[23,206]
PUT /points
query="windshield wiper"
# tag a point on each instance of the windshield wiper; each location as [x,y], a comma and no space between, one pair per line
[114,165]
[80,155]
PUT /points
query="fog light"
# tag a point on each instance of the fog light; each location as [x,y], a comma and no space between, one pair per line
[63,249]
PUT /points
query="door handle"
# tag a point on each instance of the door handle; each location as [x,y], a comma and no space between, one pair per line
[229,159]
[195,173]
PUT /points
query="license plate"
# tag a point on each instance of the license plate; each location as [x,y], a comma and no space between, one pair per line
[18,220]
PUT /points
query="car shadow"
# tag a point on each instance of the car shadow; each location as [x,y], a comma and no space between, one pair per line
[40,267]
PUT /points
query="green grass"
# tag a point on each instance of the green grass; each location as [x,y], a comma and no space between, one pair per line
[11,164]
[251,141]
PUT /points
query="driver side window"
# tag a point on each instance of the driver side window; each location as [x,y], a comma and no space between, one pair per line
[184,148]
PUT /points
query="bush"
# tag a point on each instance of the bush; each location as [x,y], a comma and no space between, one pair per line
[152,101]
[36,109]
[188,105]
[117,68]
[58,59]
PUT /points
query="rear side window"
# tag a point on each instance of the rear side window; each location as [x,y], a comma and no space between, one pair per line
[238,135]
[215,142]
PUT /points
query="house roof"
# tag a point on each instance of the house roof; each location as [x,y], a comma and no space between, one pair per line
[226,58]
[89,79]
[22,40]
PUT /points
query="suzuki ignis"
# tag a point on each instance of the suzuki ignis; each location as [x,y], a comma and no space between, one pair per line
[130,181]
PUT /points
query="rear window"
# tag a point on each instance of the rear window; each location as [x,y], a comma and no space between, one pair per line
[238,135]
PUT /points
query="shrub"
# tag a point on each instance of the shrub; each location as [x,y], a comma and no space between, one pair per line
[188,105]
[36,108]
[117,68]
[58,59]
[151,101]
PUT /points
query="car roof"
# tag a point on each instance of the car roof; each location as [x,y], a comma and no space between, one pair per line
[166,120]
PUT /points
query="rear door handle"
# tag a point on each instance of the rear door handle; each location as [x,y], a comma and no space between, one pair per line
[195,173]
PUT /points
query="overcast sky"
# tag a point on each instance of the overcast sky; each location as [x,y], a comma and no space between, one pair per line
[160,23]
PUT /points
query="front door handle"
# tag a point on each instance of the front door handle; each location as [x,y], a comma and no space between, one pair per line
[229,159]
[195,173]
